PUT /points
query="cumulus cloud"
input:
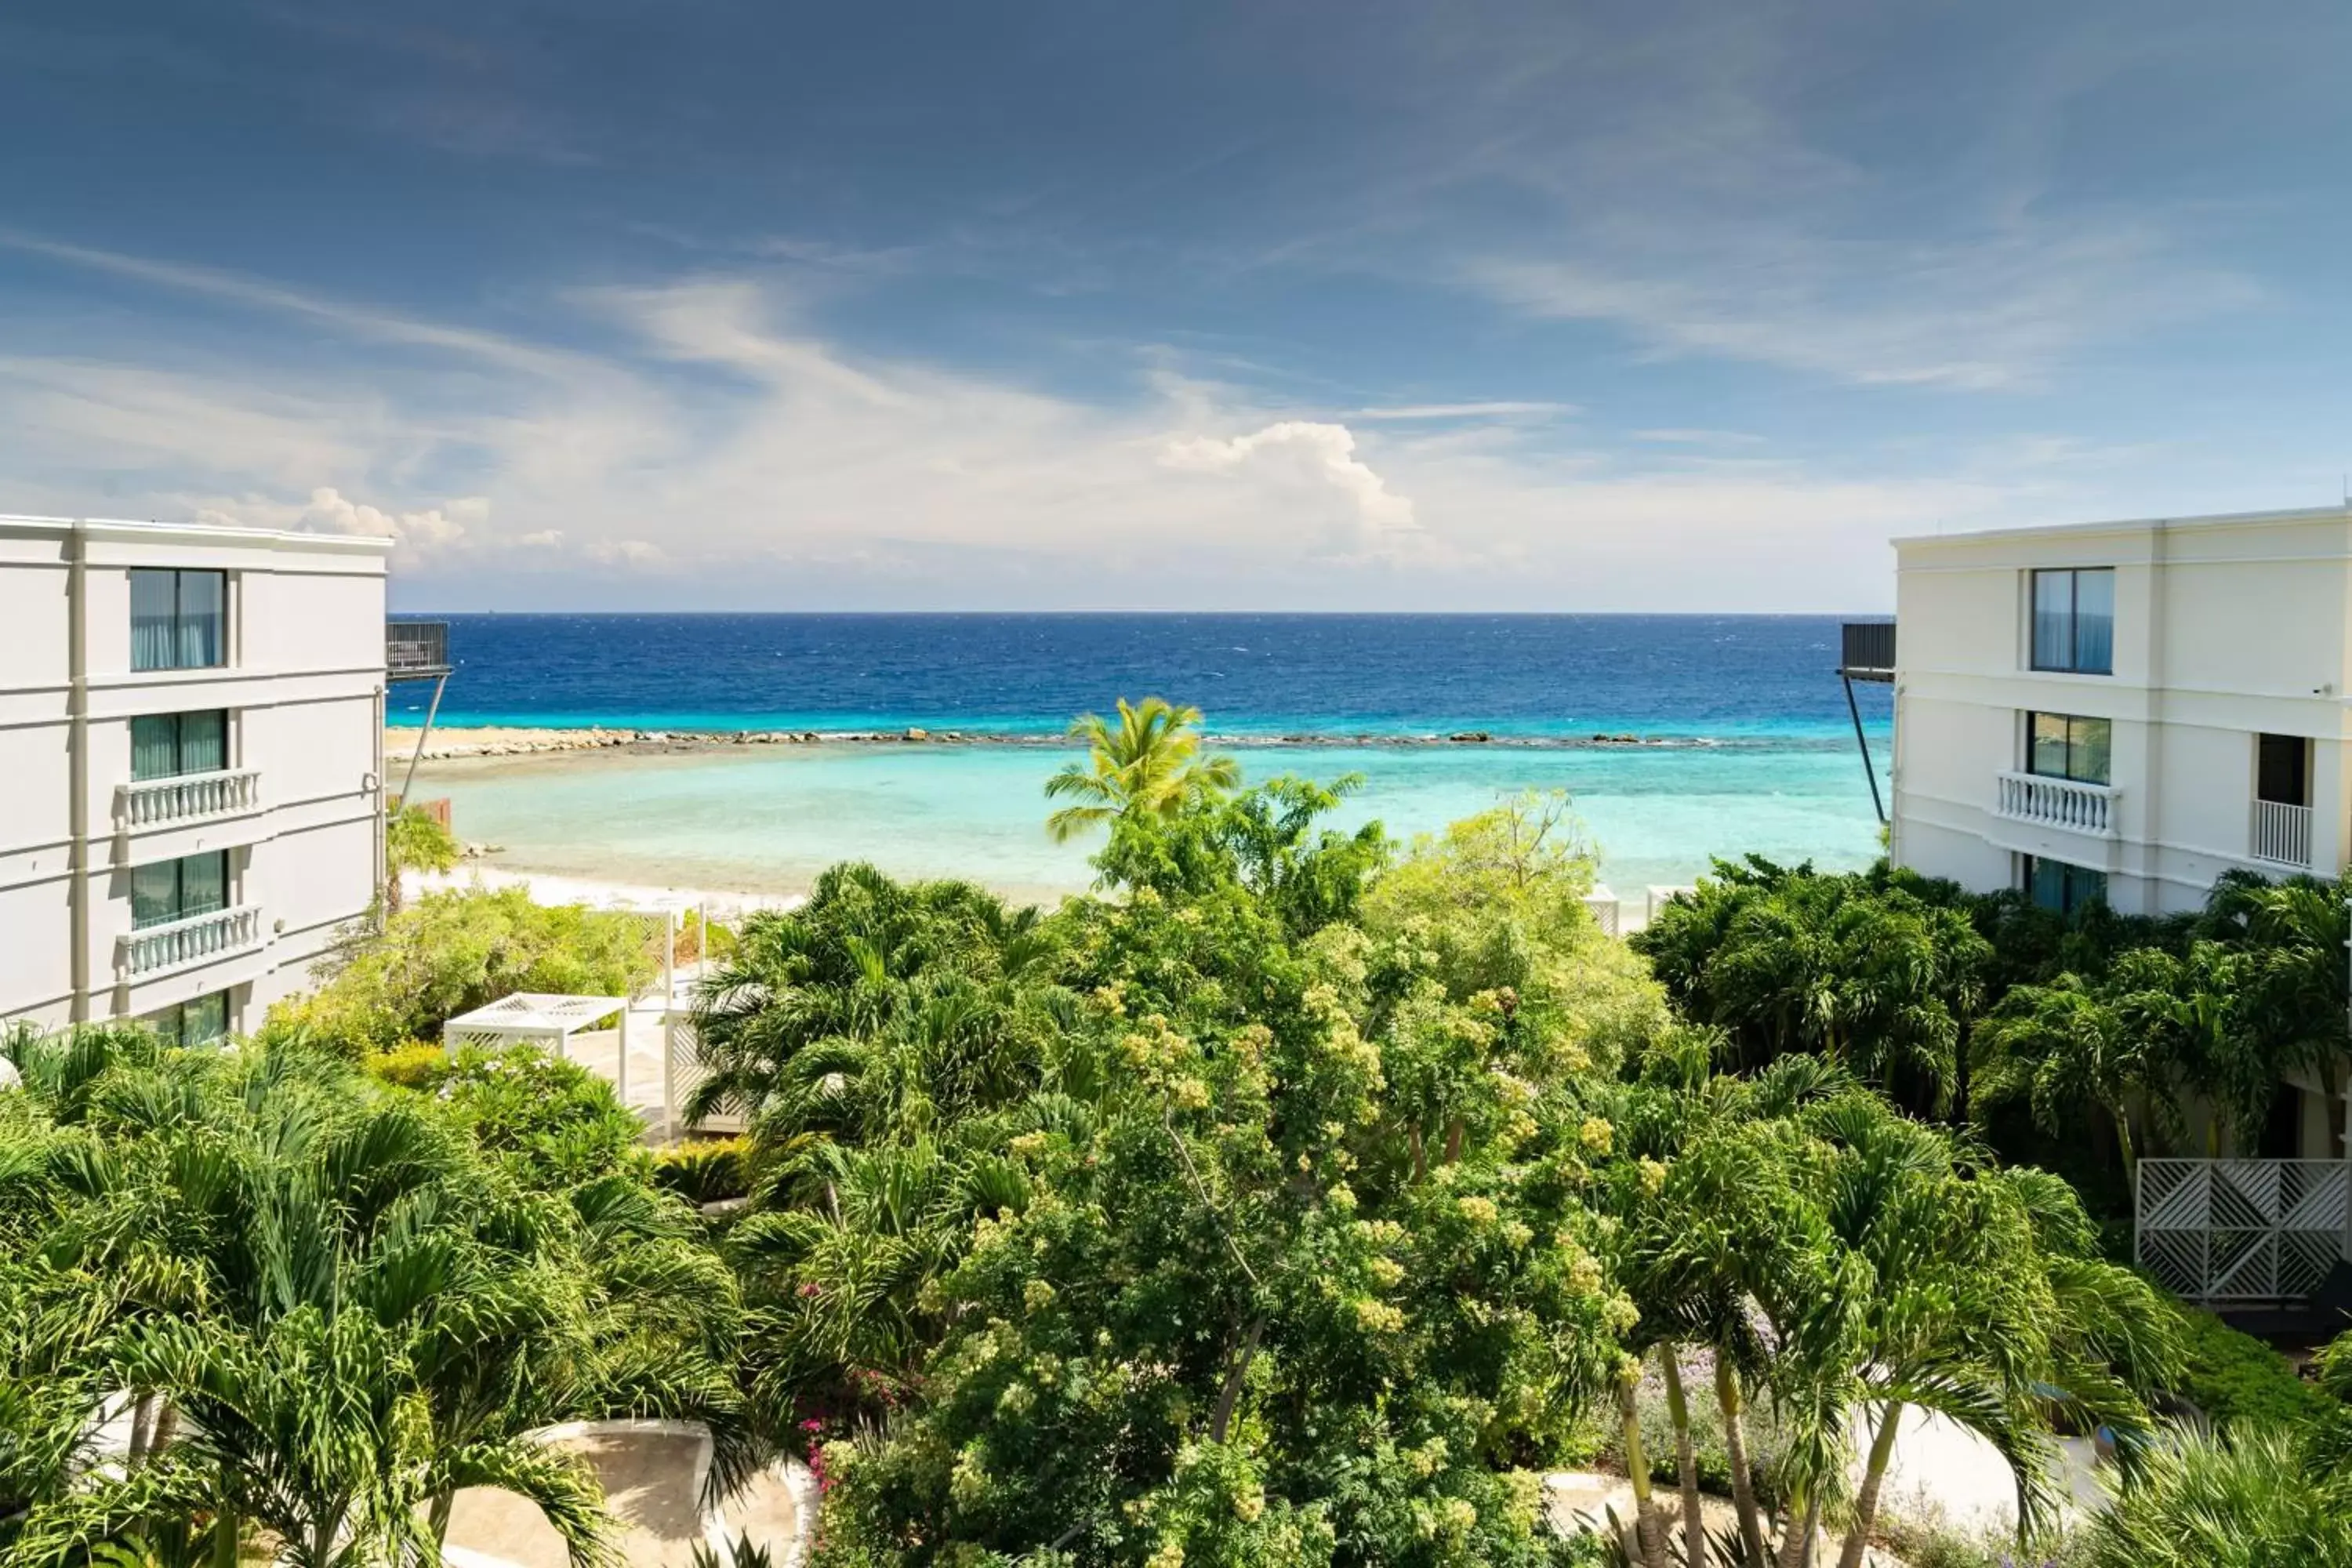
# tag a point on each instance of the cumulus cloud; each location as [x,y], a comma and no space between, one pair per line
[1302,457]
[542,539]
[415,534]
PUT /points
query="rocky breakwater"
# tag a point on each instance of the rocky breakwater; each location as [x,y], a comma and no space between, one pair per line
[453,744]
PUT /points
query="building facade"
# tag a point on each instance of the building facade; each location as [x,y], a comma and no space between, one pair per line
[2125,711]
[191,767]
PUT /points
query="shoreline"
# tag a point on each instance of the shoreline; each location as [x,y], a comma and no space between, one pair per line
[452,742]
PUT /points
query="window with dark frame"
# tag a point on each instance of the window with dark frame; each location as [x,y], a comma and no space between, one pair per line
[2074,620]
[2068,746]
[179,620]
[173,745]
[179,890]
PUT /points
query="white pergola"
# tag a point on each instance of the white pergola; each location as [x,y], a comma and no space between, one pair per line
[540,1018]
[549,1019]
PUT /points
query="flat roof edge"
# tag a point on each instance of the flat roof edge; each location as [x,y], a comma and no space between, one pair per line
[2341,513]
[199,534]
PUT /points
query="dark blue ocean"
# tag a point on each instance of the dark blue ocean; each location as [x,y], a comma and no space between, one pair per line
[1730,678]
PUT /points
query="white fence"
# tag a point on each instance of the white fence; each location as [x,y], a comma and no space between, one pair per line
[2242,1230]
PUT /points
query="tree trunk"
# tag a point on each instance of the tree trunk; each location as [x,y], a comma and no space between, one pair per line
[2124,1147]
[1646,1524]
[444,1505]
[1685,1458]
[1228,1395]
[1734,1448]
[167,1427]
[1865,1502]
[1420,1162]
[142,1420]
[1454,1141]
[1797,1546]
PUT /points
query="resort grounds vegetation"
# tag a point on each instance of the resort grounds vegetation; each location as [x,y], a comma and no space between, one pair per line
[2029,1029]
[1297,1198]
[452,952]
[311,1307]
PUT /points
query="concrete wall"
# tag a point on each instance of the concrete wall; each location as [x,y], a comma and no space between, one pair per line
[302,687]
[2225,628]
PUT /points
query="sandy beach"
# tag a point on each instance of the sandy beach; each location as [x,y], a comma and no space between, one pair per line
[724,904]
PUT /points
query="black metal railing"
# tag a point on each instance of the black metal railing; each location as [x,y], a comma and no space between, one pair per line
[1867,650]
[415,650]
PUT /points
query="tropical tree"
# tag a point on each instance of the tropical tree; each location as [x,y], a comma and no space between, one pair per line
[2063,1050]
[1149,762]
[333,1304]
[414,840]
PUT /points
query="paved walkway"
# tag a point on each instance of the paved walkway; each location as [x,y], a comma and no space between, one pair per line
[652,1473]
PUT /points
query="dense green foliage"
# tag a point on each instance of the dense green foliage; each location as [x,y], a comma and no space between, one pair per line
[453,952]
[1297,1201]
[1297,1198]
[2236,1380]
[333,1303]
[2030,1027]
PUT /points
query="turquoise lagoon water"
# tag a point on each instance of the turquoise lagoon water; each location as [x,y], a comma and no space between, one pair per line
[1755,752]
[767,819]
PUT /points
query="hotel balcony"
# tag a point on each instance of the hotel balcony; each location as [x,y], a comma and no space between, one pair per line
[189,797]
[161,950]
[2048,802]
[2280,835]
[415,650]
[1867,651]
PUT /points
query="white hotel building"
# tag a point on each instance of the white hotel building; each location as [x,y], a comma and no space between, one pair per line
[191,767]
[2125,709]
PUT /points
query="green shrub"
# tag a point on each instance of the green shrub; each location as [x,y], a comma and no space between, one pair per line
[705,1171]
[453,952]
[415,1064]
[2235,1379]
[557,1121]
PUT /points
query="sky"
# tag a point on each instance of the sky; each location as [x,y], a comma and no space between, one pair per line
[1109,304]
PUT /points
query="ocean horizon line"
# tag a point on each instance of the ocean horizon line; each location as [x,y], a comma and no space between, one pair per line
[421,615]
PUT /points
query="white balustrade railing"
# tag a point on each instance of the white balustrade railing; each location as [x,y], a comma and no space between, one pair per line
[2242,1230]
[2282,834]
[156,950]
[158,803]
[2058,802]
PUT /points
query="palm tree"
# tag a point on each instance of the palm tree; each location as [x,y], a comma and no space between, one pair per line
[412,841]
[1149,763]
[2063,1050]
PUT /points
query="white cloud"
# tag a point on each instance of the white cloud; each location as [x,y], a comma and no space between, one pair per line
[753,463]
[416,534]
[1299,458]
